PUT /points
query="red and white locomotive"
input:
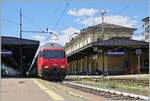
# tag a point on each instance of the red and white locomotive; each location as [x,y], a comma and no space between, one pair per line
[51,62]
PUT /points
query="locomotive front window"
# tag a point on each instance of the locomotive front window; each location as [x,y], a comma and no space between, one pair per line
[54,54]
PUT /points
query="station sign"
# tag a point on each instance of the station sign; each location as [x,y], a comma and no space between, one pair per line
[116,53]
[6,53]
[138,51]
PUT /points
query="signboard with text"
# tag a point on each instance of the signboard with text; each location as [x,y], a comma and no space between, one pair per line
[6,53]
[138,51]
[115,53]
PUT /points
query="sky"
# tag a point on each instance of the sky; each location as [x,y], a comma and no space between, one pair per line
[65,17]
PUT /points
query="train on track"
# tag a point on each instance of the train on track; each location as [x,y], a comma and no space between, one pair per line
[51,62]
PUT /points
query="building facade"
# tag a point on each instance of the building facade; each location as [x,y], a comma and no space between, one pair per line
[92,52]
[146,29]
[94,33]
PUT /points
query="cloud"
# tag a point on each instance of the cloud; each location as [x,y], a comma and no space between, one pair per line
[63,38]
[114,19]
[121,20]
[83,12]
[66,34]
[90,16]
[138,37]
[39,37]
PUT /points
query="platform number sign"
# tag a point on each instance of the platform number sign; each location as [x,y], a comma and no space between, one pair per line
[138,51]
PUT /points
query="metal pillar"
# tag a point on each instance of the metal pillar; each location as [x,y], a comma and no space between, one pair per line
[102,13]
[20,47]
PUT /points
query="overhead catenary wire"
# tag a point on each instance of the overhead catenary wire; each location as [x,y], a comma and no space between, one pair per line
[9,21]
[32,22]
[55,12]
[16,23]
[57,22]
[127,6]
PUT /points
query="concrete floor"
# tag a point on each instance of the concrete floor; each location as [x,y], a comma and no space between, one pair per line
[32,89]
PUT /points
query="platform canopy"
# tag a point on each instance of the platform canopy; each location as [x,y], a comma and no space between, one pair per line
[13,45]
[122,42]
[5,40]
[109,44]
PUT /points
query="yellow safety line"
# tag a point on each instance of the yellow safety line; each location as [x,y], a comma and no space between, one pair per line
[51,93]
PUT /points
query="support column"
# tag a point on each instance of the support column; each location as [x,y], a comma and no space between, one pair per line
[77,66]
[88,65]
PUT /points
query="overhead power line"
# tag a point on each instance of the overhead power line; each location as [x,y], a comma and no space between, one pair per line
[9,21]
[16,23]
[55,12]
[32,22]
[127,6]
[57,22]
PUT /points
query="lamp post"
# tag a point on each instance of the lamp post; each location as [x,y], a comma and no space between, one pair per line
[102,15]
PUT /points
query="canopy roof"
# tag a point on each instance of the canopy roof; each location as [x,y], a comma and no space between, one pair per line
[113,42]
[6,40]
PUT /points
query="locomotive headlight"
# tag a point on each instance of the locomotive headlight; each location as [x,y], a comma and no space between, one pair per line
[45,66]
[62,66]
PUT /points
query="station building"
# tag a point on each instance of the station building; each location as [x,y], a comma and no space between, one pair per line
[112,52]
[146,29]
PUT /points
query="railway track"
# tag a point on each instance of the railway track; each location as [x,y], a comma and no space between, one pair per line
[112,95]
[125,81]
[138,82]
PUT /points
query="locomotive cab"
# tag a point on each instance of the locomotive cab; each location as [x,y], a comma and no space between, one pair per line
[52,63]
